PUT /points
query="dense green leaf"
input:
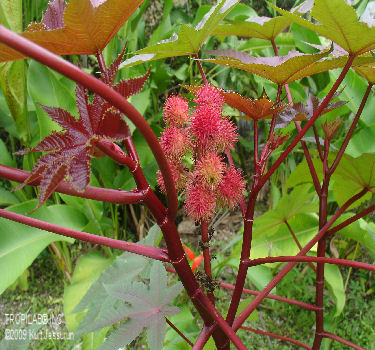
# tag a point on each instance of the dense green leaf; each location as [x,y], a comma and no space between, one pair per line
[96,301]
[148,308]
[352,176]
[6,197]
[87,27]
[281,242]
[49,89]
[284,69]
[87,270]
[260,276]
[360,231]
[21,244]
[301,173]
[299,201]
[362,142]
[338,22]
[335,284]
[255,27]
[353,92]
[188,41]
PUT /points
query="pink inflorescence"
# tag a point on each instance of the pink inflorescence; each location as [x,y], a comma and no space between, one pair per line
[193,146]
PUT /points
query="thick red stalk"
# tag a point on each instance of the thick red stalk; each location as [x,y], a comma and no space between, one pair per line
[206,255]
[321,251]
[150,252]
[258,299]
[277,336]
[46,57]
[203,337]
[334,261]
[96,193]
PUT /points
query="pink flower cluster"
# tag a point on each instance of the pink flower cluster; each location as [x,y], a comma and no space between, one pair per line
[193,145]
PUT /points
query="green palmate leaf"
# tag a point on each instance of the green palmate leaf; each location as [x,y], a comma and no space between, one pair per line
[255,27]
[188,41]
[338,22]
[83,27]
[299,201]
[87,270]
[352,176]
[12,75]
[335,284]
[360,231]
[284,69]
[148,308]
[20,244]
[368,72]
[301,173]
[126,267]
[281,242]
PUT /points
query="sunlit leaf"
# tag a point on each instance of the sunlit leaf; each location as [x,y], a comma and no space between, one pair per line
[352,176]
[254,27]
[88,27]
[254,109]
[188,41]
[284,69]
[338,22]
[368,72]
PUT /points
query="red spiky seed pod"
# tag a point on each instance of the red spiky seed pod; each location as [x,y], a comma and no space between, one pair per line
[231,187]
[209,170]
[210,96]
[175,142]
[176,111]
[200,202]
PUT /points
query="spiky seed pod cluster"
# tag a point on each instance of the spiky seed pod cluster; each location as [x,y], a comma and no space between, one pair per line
[208,182]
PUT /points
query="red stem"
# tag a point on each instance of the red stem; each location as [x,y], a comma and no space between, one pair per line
[341,340]
[150,252]
[334,261]
[179,332]
[258,299]
[201,69]
[203,337]
[96,193]
[277,336]
[312,120]
[273,297]
[206,256]
[351,130]
[319,148]
[297,242]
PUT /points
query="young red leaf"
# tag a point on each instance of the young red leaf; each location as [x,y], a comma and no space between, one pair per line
[83,27]
[188,252]
[196,262]
[71,150]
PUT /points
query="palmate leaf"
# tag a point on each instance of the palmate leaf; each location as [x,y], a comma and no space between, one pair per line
[338,22]
[83,27]
[299,201]
[256,27]
[352,176]
[284,69]
[149,307]
[70,151]
[188,41]
[261,108]
[301,111]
